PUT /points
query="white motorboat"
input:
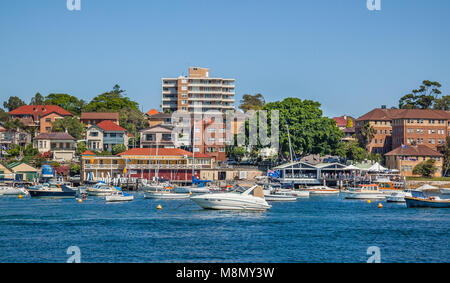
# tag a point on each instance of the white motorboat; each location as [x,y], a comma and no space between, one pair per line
[119,196]
[101,189]
[445,191]
[251,199]
[165,194]
[12,191]
[194,189]
[370,191]
[398,196]
[293,192]
[271,195]
[321,190]
[155,187]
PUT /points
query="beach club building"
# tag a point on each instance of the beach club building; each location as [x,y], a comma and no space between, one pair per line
[145,163]
[405,158]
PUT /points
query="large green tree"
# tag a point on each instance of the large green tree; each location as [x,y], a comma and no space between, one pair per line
[13,102]
[131,118]
[310,131]
[66,101]
[422,98]
[252,102]
[70,124]
[425,168]
[352,151]
[38,99]
[442,103]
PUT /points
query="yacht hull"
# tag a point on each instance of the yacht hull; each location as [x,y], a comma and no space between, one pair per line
[418,202]
[49,194]
[148,195]
[359,195]
[223,202]
[119,198]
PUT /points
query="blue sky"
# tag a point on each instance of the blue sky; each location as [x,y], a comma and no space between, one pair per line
[336,52]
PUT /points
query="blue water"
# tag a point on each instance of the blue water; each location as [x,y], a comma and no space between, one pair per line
[319,229]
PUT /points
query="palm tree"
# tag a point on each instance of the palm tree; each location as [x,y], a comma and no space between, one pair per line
[367,135]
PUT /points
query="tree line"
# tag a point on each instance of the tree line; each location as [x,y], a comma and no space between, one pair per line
[116,100]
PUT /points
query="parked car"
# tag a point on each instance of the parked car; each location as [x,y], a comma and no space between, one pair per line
[75,178]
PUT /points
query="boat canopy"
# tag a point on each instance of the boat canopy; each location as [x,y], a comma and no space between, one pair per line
[426,187]
[376,168]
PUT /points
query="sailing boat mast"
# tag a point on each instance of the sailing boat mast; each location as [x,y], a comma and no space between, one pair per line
[290,153]
[193,153]
[157,164]
[290,150]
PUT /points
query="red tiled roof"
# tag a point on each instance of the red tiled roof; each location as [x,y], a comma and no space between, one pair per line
[422,114]
[54,136]
[99,116]
[340,121]
[40,110]
[379,115]
[390,114]
[414,150]
[107,125]
[88,152]
[162,152]
[152,112]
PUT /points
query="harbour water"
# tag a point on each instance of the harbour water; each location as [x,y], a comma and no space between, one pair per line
[318,229]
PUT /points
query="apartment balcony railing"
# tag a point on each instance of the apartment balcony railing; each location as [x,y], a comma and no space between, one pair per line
[166,166]
[102,166]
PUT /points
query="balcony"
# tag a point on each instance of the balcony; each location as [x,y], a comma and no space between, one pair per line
[166,166]
[102,166]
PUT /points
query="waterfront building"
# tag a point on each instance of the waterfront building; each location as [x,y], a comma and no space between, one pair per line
[421,127]
[405,158]
[5,172]
[61,145]
[304,173]
[105,135]
[93,118]
[174,164]
[198,92]
[40,117]
[381,121]
[23,171]
[396,127]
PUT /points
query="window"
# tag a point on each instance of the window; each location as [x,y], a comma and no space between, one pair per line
[48,120]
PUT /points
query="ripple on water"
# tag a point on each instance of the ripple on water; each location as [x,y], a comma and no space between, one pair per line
[324,229]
